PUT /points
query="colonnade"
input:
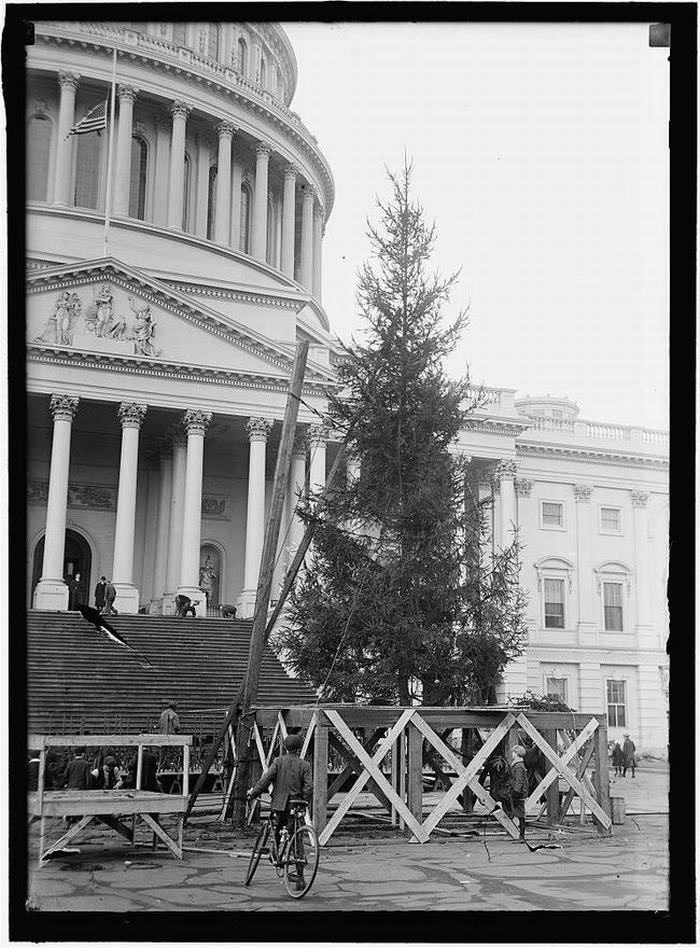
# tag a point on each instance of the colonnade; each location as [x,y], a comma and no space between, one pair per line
[178,519]
[169,185]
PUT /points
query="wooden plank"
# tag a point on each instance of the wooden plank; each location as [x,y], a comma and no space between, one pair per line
[116,825]
[580,773]
[552,791]
[309,734]
[402,773]
[395,778]
[110,740]
[75,829]
[354,766]
[41,777]
[139,767]
[159,831]
[585,779]
[320,778]
[186,770]
[571,778]
[552,774]
[602,780]
[414,789]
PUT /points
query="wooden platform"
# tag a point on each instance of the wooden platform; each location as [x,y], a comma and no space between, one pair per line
[111,802]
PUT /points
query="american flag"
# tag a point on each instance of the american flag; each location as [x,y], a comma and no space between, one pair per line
[95,119]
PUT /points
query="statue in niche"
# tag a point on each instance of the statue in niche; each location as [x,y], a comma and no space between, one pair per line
[207,579]
[143,330]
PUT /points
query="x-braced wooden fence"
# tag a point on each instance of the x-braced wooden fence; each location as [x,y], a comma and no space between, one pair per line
[363,737]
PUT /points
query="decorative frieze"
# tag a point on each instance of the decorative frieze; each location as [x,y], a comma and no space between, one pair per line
[80,496]
[582,493]
[216,507]
[63,407]
[640,498]
[259,428]
[197,421]
[523,486]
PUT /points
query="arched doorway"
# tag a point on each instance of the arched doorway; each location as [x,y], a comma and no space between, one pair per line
[210,574]
[77,561]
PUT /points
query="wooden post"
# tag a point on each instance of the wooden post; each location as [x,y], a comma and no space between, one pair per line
[469,746]
[139,766]
[320,777]
[402,773]
[552,791]
[185,770]
[414,787]
[395,776]
[602,777]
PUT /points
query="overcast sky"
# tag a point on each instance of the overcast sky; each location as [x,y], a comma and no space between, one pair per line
[541,153]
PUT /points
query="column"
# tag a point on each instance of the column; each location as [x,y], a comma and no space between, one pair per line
[319,216]
[148,526]
[51,592]
[288,210]
[588,624]
[647,637]
[236,182]
[506,476]
[307,213]
[487,505]
[179,112]
[160,198]
[163,525]
[131,416]
[68,83]
[122,162]
[177,504]
[196,423]
[318,435]
[258,431]
[222,222]
[202,205]
[262,156]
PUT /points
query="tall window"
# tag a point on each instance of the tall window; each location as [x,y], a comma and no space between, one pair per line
[137,185]
[242,57]
[211,202]
[213,41]
[557,686]
[38,152]
[245,219]
[179,33]
[554,603]
[263,71]
[87,171]
[612,607]
[617,703]
[187,178]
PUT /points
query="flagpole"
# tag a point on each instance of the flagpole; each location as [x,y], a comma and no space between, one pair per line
[108,194]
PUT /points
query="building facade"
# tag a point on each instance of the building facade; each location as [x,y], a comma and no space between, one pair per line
[159,351]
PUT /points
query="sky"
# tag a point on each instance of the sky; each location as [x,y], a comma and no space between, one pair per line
[540,151]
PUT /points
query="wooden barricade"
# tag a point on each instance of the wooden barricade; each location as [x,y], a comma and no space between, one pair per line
[109,806]
[400,735]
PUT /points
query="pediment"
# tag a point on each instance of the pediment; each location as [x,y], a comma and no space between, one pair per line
[108,309]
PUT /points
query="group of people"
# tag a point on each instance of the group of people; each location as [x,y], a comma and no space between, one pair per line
[105,594]
[103,770]
[623,758]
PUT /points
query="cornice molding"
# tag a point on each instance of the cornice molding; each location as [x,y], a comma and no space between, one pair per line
[591,455]
[245,296]
[575,654]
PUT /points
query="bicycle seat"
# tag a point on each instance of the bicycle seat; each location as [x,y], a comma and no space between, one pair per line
[297,806]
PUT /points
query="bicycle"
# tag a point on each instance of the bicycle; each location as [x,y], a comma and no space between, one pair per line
[296,856]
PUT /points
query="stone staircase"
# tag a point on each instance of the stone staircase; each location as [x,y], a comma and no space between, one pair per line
[79,680]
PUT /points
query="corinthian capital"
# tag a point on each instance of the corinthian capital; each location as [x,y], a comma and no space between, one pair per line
[318,434]
[63,407]
[582,493]
[640,498]
[226,128]
[131,414]
[508,467]
[68,79]
[291,171]
[180,110]
[523,486]
[196,421]
[262,149]
[127,92]
[258,428]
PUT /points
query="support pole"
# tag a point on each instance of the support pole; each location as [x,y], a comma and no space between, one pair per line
[414,787]
[552,791]
[601,778]
[320,777]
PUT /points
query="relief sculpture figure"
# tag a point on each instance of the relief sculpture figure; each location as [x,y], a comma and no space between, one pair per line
[143,330]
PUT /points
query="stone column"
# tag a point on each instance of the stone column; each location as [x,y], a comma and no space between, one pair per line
[319,217]
[506,476]
[202,203]
[259,246]
[160,198]
[163,525]
[177,505]
[196,423]
[646,635]
[258,431]
[122,162]
[288,211]
[588,625]
[307,243]
[179,112]
[51,592]
[68,83]
[487,505]
[131,416]
[236,181]
[222,222]
[318,435]
[148,526]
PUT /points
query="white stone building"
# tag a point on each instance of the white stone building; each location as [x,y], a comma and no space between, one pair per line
[158,360]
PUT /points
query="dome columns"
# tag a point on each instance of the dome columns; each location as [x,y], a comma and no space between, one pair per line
[68,84]
[307,240]
[262,158]
[288,211]
[125,127]
[222,218]
[179,112]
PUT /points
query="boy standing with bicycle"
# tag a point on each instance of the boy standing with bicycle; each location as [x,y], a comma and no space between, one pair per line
[291,779]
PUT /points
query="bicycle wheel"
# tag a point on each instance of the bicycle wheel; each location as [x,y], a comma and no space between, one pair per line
[301,862]
[258,850]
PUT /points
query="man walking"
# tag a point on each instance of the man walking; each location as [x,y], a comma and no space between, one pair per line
[628,750]
[110,596]
[100,593]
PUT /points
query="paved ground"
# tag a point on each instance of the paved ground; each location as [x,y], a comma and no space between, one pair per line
[627,871]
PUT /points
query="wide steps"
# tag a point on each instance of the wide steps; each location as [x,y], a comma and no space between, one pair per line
[79,679]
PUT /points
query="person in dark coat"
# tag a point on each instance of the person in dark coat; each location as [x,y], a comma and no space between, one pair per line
[77,772]
[617,759]
[100,593]
[110,596]
[75,592]
[534,764]
[628,750]
[519,787]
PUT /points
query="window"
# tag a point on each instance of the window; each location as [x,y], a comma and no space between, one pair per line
[610,520]
[552,515]
[245,219]
[38,152]
[557,686]
[211,203]
[554,603]
[137,184]
[180,33]
[616,703]
[186,192]
[557,413]
[87,171]
[612,607]
[242,57]
[213,41]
